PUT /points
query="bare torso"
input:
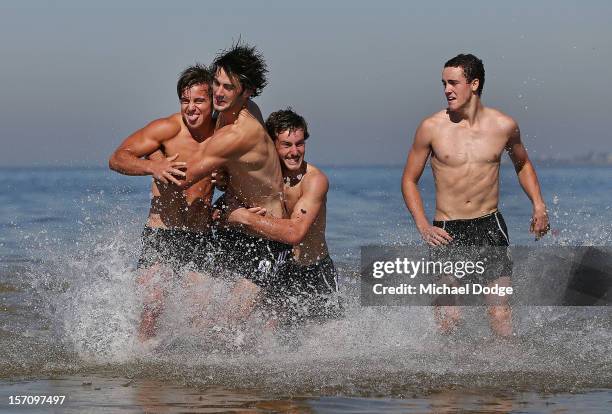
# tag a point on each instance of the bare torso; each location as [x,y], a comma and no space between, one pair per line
[172,207]
[254,177]
[465,161]
[314,247]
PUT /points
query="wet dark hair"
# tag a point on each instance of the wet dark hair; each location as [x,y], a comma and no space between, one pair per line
[245,63]
[472,69]
[285,120]
[197,74]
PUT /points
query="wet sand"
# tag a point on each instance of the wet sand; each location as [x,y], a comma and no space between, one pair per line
[99,394]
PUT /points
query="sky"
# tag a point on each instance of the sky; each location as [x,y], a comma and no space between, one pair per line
[78,77]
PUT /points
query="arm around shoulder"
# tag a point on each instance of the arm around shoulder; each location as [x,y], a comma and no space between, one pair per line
[212,154]
[306,210]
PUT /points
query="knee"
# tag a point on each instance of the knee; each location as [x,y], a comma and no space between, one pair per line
[500,312]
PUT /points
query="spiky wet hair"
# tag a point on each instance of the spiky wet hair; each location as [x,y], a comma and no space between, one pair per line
[197,74]
[285,120]
[245,63]
[472,68]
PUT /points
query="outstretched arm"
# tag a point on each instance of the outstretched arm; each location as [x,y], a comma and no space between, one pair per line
[128,157]
[529,182]
[417,158]
[292,230]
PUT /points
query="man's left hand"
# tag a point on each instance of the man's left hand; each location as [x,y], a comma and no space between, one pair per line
[539,222]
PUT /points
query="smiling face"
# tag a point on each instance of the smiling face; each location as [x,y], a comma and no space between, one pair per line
[227,92]
[291,146]
[196,106]
[457,89]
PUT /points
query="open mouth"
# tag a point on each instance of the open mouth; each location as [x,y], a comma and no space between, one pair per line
[192,118]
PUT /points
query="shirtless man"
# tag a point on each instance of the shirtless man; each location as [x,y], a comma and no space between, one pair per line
[243,149]
[466,142]
[312,277]
[177,231]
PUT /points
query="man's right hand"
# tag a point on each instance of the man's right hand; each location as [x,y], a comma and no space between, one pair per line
[241,216]
[434,236]
[165,169]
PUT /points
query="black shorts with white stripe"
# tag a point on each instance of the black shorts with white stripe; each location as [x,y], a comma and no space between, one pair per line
[479,239]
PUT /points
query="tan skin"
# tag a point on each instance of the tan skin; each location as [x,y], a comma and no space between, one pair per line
[306,193]
[466,142]
[160,150]
[242,148]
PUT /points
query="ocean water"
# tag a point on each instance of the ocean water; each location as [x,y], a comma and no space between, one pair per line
[69,307]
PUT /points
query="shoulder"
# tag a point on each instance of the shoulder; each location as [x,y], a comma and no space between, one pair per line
[501,120]
[229,135]
[433,122]
[254,110]
[429,127]
[315,180]
[226,141]
[165,127]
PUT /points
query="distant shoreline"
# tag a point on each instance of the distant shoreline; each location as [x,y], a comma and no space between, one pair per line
[505,163]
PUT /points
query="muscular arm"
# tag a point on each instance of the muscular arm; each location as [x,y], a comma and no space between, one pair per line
[128,157]
[294,229]
[211,155]
[417,158]
[528,179]
[524,168]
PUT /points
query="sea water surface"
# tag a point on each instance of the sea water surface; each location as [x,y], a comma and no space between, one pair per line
[69,307]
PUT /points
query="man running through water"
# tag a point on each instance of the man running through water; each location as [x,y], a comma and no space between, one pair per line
[309,287]
[243,149]
[466,142]
[177,232]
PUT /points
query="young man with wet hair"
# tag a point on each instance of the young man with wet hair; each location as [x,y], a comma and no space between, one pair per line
[466,142]
[309,286]
[177,232]
[243,149]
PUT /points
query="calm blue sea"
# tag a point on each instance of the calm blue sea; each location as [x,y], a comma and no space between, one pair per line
[69,239]
[365,206]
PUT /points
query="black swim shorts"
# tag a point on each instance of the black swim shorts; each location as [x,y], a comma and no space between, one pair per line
[254,258]
[177,248]
[305,292]
[483,239]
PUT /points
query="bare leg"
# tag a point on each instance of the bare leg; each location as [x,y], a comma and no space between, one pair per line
[242,301]
[153,302]
[200,291]
[499,310]
[446,313]
[447,318]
